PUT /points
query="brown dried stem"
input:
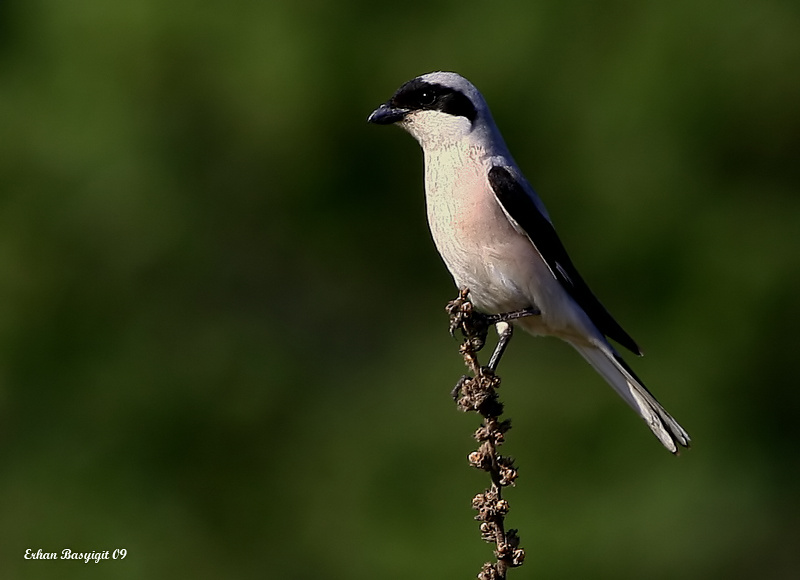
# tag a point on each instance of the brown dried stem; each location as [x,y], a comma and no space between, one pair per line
[478,393]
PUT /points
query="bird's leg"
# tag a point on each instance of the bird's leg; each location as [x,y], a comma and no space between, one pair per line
[504,333]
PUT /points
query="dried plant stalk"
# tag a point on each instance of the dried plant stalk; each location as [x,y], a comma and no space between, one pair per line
[478,393]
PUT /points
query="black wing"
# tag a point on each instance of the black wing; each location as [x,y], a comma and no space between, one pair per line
[522,209]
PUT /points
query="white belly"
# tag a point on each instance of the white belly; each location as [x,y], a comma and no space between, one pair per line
[485,253]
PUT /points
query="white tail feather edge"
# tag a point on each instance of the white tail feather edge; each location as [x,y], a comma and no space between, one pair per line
[605,361]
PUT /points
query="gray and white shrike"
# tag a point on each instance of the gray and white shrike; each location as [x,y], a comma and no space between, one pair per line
[497,240]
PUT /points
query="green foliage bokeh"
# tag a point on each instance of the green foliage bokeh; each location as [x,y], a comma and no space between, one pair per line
[223,345]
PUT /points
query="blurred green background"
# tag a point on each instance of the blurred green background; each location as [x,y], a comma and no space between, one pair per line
[221,315]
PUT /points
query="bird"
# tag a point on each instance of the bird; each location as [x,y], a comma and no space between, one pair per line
[496,237]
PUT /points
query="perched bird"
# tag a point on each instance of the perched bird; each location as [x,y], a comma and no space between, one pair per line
[497,240]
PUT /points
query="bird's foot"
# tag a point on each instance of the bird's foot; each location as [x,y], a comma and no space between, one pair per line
[509,316]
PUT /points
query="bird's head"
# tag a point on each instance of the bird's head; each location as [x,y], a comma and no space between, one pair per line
[438,109]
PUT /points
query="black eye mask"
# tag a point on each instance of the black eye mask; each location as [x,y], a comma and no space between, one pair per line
[418,95]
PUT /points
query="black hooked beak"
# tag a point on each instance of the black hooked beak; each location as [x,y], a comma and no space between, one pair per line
[387,114]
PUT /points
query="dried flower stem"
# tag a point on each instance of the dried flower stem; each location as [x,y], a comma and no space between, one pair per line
[478,393]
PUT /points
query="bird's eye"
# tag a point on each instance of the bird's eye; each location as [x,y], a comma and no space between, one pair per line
[427,98]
